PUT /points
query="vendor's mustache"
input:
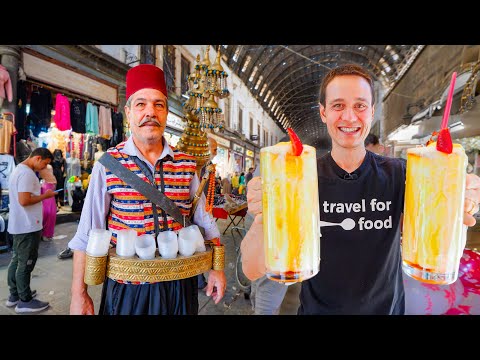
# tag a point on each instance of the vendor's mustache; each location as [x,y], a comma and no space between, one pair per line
[149,119]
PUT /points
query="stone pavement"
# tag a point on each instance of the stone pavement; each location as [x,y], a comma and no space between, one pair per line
[52,279]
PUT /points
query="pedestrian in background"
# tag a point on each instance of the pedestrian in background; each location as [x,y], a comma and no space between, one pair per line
[372,143]
[226,185]
[249,175]
[241,184]
[49,205]
[235,183]
[25,224]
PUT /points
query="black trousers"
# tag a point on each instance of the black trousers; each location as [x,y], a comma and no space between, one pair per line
[177,297]
[24,258]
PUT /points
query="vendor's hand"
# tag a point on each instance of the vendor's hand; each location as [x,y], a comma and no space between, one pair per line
[472,198]
[81,304]
[217,284]
[254,196]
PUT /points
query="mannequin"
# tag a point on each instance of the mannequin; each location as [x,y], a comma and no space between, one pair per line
[73,170]
[73,165]
[59,165]
[86,156]
[99,151]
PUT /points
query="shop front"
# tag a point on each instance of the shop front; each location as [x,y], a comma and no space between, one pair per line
[237,158]
[70,112]
[257,158]
[221,159]
[249,160]
[175,126]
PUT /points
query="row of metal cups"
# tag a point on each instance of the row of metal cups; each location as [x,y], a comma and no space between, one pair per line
[186,242]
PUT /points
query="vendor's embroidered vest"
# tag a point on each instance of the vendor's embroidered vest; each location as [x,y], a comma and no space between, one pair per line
[130,209]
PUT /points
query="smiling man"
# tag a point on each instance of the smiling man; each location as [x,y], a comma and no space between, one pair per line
[112,203]
[360,267]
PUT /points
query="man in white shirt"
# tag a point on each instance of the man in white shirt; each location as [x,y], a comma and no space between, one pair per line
[25,224]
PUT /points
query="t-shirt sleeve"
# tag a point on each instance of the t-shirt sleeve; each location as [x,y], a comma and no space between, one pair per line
[404,166]
[26,183]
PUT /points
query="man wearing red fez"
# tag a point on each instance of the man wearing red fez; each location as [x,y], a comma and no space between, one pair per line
[111,203]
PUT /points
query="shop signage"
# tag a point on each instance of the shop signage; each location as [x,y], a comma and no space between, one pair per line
[62,77]
[175,121]
[250,153]
[238,148]
[220,140]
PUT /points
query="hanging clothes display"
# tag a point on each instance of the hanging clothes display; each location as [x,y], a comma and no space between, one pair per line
[40,110]
[21,110]
[89,146]
[76,144]
[77,116]
[7,130]
[92,119]
[7,164]
[62,113]
[58,140]
[117,124]
[105,122]
[5,85]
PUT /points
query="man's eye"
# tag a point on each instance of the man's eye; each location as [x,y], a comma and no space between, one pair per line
[337,106]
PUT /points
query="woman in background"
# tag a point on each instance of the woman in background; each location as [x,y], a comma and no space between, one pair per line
[49,205]
[242,184]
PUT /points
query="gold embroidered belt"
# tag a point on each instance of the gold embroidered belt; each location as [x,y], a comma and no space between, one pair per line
[134,269]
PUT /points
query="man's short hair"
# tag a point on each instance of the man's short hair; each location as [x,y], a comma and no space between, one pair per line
[347,69]
[371,139]
[44,153]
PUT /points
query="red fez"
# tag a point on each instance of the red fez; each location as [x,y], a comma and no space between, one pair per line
[145,76]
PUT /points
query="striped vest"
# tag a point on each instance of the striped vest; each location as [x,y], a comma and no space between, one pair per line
[130,209]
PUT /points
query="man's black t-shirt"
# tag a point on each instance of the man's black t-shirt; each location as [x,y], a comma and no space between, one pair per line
[360,269]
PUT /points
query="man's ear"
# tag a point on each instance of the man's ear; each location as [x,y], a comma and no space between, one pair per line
[322,113]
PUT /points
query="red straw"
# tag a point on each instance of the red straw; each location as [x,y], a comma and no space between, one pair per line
[448,106]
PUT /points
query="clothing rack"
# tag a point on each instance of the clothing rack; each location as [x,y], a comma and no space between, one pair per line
[5,117]
[72,94]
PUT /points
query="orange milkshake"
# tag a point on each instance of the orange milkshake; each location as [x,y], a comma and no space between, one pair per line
[291,214]
[433,232]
